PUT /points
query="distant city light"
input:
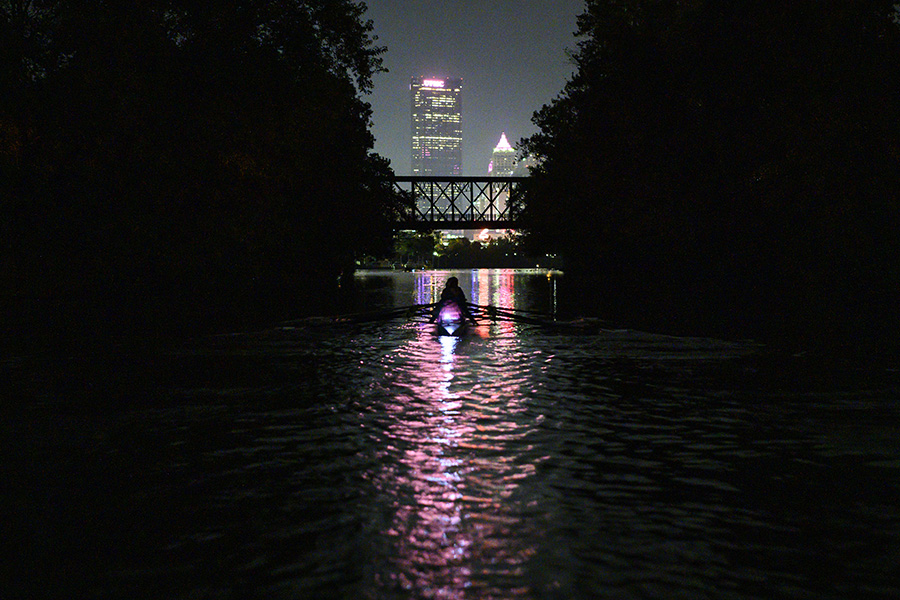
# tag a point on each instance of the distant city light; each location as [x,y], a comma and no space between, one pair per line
[436,132]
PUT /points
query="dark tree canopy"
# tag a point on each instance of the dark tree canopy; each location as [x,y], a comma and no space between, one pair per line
[732,164]
[187,158]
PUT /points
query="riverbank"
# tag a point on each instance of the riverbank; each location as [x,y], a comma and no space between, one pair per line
[838,325]
[113,338]
[114,320]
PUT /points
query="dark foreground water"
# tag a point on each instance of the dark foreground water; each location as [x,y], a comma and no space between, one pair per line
[377,460]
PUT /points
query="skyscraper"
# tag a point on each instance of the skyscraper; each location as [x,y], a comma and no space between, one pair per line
[436,110]
[503,163]
[503,160]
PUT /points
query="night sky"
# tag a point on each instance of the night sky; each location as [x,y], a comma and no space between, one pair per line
[511,55]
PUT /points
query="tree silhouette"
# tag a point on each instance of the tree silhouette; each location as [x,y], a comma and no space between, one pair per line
[186,161]
[737,166]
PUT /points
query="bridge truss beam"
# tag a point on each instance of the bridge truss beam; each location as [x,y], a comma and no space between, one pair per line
[459,202]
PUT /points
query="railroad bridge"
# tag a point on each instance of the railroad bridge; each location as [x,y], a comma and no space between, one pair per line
[459,202]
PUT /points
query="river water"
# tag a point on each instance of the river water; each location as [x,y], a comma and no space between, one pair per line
[378,460]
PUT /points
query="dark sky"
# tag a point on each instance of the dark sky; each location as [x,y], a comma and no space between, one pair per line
[511,55]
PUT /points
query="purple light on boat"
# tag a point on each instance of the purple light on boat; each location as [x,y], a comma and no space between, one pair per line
[450,313]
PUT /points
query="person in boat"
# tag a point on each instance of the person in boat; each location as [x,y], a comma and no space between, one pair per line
[453,293]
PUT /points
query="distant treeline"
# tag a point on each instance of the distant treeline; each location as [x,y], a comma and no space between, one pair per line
[729,168]
[415,250]
[175,163]
[500,253]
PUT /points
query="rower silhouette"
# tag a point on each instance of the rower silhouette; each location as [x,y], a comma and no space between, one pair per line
[453,293]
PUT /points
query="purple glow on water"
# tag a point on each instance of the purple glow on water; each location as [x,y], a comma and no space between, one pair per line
[453,506]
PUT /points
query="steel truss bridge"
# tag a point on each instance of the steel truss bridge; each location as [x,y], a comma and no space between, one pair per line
[459,202]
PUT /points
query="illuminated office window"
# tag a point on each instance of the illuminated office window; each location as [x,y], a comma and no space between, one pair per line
[436,110]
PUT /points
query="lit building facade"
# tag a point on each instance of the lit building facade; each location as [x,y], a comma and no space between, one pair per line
[436,108]
[503,160]
[503,164]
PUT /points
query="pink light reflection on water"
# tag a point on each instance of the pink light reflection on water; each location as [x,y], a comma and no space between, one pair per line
[496,288]
[450,461]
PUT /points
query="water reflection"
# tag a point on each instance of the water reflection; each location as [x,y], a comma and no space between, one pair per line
[448,347]
[378,460]
[453,453]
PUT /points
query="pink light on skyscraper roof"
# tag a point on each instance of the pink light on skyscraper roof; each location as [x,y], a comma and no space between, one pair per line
[433,83]
[503,144]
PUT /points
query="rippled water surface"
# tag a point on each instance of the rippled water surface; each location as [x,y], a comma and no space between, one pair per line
[378,460]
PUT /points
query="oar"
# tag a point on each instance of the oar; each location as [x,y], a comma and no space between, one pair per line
[510,310]
[540,319]
[494,313]
[384,315]
[497,311]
